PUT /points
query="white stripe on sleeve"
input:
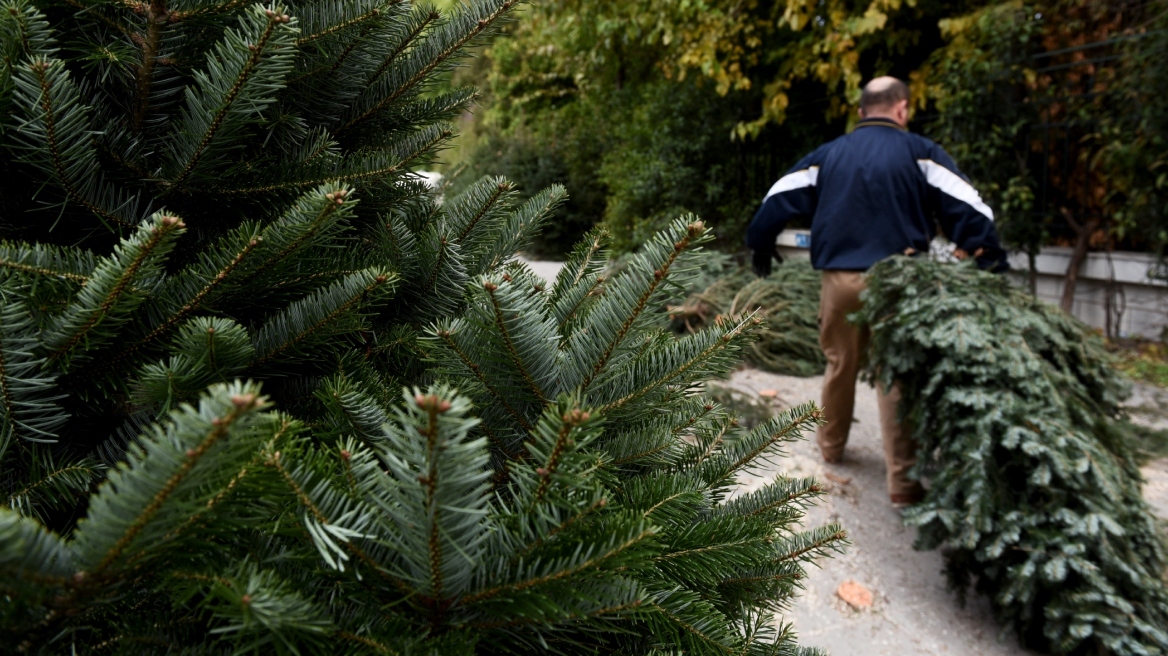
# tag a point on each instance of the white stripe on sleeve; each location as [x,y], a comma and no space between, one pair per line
[796,180]
[953,185]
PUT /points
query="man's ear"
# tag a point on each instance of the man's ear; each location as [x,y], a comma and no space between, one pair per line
[860,111]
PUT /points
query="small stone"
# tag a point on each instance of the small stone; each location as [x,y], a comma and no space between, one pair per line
[768,393]
[854,594]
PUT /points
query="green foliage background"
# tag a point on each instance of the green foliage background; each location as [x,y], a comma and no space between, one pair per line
[700,106]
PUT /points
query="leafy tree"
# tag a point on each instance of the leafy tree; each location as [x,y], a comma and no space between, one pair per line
[1054,111]
[209,215]
[1134,140]
[980,85]
[1035,490]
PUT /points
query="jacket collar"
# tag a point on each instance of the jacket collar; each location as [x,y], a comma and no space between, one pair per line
[879,121]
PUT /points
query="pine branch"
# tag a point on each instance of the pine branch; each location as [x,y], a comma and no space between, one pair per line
[206,350]
[477,202]
[744,452]
[353,409]
[692,630]
[72,265]
[618,609]
[710,342]
[206,11]
[368,643]
[110,296]
[168,474]
[445,334]
[321,315]
[518,228]
[586,565]
[812,542]
[51,486]
[28,402]
[156,18]
[504,332]
[24,34]
[714,444]
[244,69]
[286,428]
[192,303]
[431,62]
[356,168]
[311,220]
[586,261]
[776,496]
[89,10]
[28,551]
[434,496]
[693,231]
[309,34]
[552,532]
[414,29]
[55,130]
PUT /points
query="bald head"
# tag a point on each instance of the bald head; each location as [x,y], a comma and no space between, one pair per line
[885,97]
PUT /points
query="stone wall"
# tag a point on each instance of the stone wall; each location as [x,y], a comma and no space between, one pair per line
[1109,283]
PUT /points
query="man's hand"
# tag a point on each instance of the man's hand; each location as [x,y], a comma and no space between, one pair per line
[996,265]
[761,261]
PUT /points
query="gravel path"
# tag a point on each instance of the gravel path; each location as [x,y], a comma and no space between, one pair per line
[913,613]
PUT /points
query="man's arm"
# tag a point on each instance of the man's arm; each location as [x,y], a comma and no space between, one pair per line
[793,196]
[967,221]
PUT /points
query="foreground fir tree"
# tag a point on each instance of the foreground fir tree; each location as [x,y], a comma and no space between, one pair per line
[202,193]
[1035,490]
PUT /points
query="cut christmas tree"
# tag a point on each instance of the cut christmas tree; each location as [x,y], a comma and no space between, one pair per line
[1035,490]
[261,391]
[789,301]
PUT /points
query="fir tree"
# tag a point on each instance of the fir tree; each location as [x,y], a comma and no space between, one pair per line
[1035,491]
[203,193]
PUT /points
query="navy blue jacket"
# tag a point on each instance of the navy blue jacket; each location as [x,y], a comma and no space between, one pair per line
[874,193]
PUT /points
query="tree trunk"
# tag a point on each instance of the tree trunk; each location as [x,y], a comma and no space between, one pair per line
[1082,241]
[1032,278]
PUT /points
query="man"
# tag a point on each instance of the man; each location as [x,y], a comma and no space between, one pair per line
[875,192]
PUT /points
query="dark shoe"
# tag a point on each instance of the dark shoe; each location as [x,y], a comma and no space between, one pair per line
[902,501]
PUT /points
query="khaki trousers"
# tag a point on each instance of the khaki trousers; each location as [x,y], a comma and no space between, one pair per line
[844,345]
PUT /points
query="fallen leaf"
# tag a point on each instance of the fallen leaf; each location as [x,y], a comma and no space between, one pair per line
[856,595]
